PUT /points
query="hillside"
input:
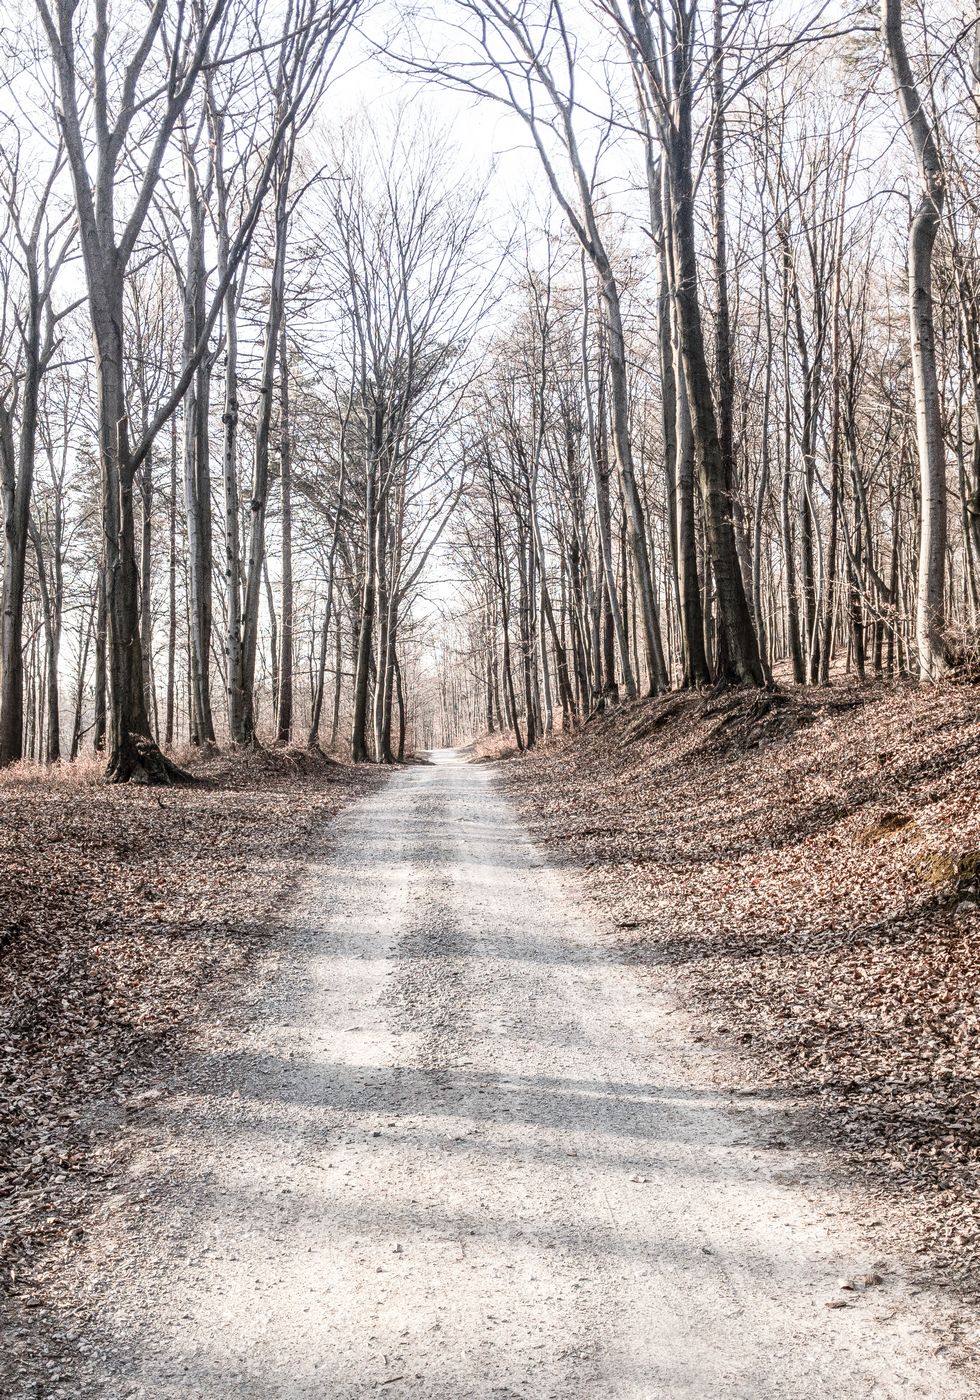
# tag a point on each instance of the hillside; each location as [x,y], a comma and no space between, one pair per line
[804,871]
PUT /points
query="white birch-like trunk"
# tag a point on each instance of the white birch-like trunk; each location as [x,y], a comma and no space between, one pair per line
[930,611]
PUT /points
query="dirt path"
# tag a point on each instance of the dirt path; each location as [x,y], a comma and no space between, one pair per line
[457,1154]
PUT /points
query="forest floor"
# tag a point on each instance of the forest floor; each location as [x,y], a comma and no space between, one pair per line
[446,1141]
[123,912]
[801,870]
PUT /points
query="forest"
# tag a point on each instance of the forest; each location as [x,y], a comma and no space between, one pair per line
[451,446]
[310,435]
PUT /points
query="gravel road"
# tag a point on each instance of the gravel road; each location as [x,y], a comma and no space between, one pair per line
[459,1149]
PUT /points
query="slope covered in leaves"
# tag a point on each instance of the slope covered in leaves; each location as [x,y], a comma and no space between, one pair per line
[804,868]
[124,908]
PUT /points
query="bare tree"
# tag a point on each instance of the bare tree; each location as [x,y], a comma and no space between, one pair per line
[101,142]
[930,616]
[37,239]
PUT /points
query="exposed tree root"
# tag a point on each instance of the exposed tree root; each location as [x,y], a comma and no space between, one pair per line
[320,754]
[139,759]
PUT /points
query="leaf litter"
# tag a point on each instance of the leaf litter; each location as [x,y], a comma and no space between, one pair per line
[125,913]
[803,870]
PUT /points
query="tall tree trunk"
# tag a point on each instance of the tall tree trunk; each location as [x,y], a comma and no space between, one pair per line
[270,606]
[197,476]
[381,699]
[313,739]
[16,505]
[402,718]
[930,613]
[365,632]
[284,710]
[338,675]
[526,627]
[762,485]
[51,622]
[16,484]
[171,701]
[794,637]
[503,588]
[600,476]
[258,503]
[86,628]
[234,683]
[100,699]
[696,669]
[133,754]
[146,577]
[743,662]
[636,525]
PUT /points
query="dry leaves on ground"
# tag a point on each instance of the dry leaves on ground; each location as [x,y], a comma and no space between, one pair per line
[805,868]
[123,911]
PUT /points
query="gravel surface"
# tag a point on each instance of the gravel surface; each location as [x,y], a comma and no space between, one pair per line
[459,1149]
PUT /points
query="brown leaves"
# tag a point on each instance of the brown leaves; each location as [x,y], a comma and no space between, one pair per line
[120,907]
[886,825]
[808,873]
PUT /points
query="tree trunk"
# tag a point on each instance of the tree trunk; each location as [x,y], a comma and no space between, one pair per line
[619,418]
[100,722]
[51,621]
[313,739]
[600,476]
[146,580]
[696,669]
[930,615]
[762,485]
[197,500]
[359,750]
[197,475]
[337,685]
[402,718]
[171,593]
[794,638]
[260,469]
[284,710]
[16,484]
[743,662]
[85,641]
[15,507]
[270,604]
[133,753]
